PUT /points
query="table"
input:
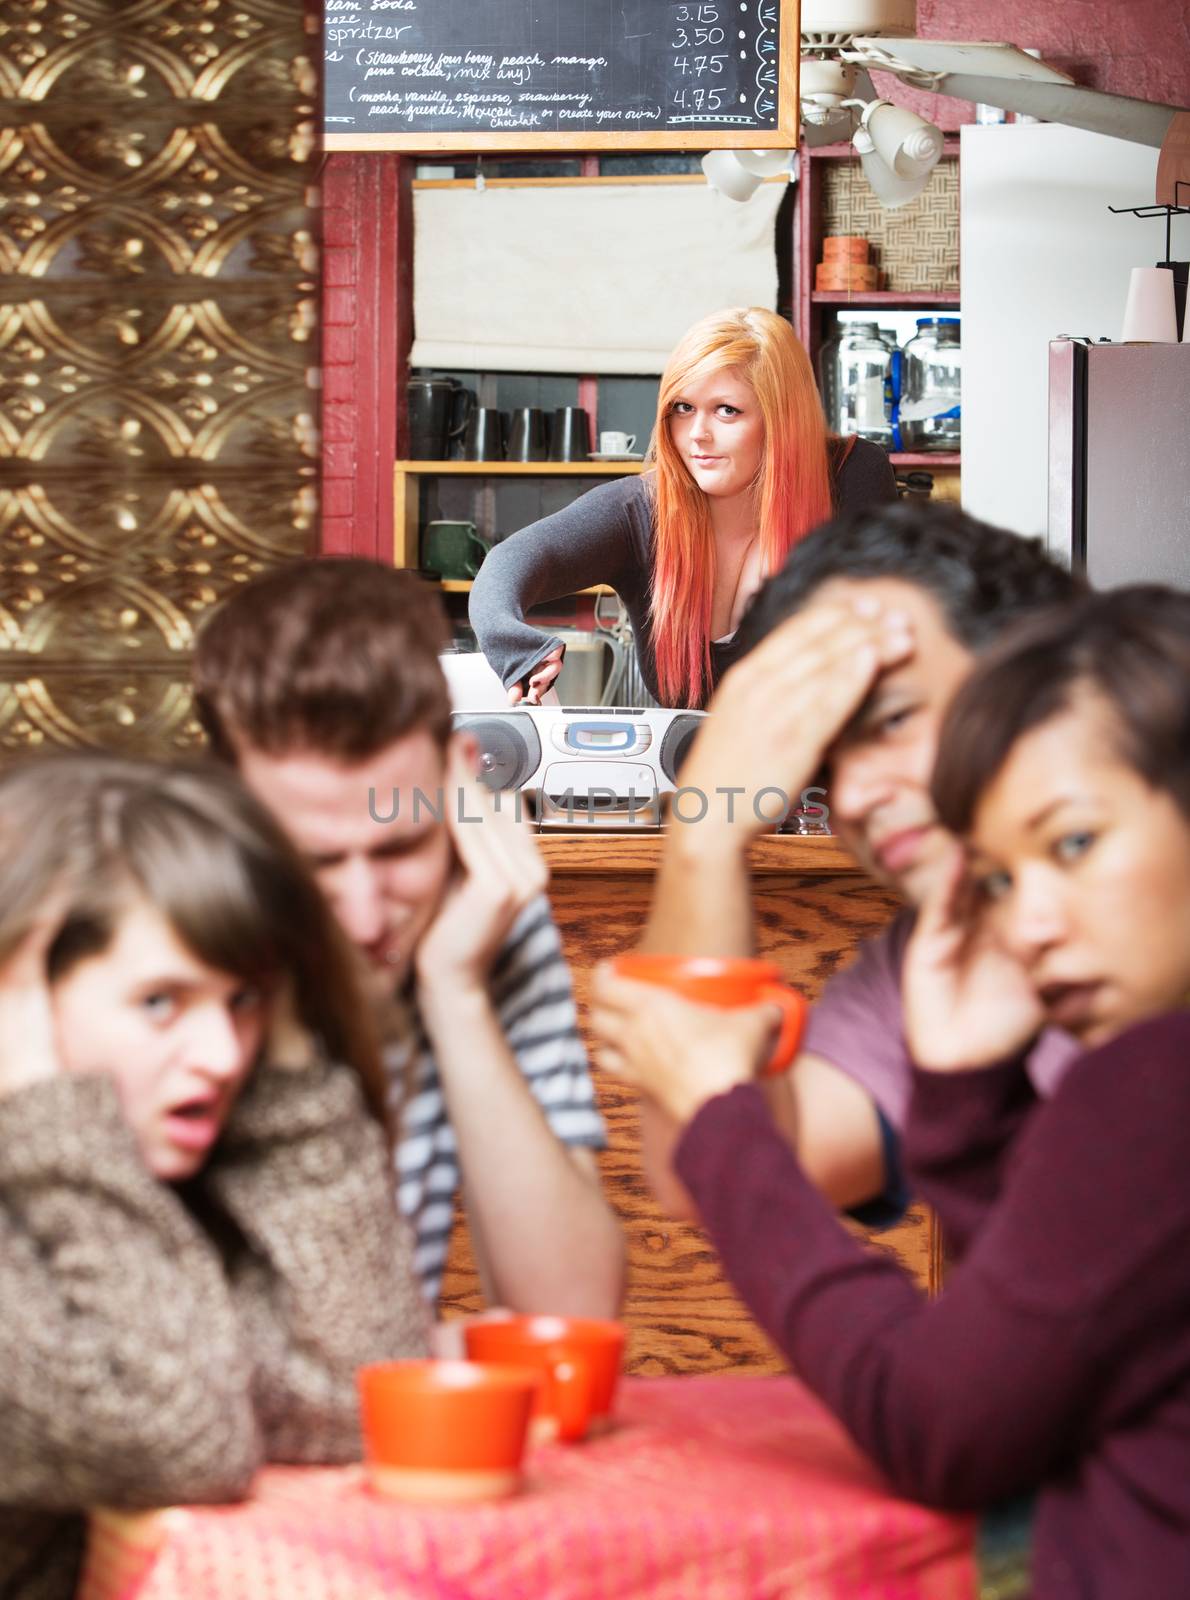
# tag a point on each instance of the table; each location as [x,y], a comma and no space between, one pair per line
[708,1488]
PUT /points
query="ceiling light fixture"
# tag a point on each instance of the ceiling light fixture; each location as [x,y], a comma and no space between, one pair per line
[898,151]
[841,40]
[739,173]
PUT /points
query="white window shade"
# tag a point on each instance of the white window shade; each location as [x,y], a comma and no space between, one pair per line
[595,278]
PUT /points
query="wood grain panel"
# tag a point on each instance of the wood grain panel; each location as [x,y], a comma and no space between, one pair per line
[682,1314]
[608,855]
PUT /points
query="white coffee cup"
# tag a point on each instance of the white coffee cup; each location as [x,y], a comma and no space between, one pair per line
[1150,316]
[616,444]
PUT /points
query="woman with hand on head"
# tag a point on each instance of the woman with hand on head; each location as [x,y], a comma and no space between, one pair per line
[740,468]
[197,1238]
[1057,1363]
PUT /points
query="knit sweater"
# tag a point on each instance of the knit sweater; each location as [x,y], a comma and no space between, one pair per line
[1058,1360]
[156,1343]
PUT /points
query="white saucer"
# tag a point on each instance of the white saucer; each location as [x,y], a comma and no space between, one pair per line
[616,455]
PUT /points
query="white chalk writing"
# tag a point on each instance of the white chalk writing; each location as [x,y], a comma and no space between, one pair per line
[413,63]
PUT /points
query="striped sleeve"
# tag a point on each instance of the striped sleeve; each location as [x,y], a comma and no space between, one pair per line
[535,1002]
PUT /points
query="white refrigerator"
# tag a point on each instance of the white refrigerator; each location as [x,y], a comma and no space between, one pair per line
[1042,256]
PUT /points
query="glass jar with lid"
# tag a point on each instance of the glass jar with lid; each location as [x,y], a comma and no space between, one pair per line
[928,384]
[853,367]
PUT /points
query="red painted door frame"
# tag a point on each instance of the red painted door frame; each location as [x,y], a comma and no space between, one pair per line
[367,330]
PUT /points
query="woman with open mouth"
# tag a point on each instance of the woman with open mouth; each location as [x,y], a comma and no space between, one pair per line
[198,1245]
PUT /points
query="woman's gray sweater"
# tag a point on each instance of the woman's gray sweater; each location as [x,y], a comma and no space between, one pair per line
[606,536]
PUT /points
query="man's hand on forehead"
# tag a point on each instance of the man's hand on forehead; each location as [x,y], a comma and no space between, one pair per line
[779,710]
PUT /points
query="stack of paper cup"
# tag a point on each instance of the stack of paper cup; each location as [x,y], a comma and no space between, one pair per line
[1149,316]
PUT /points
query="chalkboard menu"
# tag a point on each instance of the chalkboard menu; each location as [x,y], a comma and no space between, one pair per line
[558,74]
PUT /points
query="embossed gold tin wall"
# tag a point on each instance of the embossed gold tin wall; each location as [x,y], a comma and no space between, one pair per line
[158,307]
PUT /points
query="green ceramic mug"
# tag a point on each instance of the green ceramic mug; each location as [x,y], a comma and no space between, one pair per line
[453,549]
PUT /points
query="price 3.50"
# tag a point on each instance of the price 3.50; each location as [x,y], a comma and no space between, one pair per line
[696,38]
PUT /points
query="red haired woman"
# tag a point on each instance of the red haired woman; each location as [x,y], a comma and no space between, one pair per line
[742,468]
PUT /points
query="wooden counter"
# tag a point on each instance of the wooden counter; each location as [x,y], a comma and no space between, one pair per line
[575,855]
[813,904]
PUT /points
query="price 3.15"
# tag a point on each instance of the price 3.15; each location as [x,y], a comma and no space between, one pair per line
[705,15]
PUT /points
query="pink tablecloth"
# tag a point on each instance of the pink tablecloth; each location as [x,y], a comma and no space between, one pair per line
[728,1488]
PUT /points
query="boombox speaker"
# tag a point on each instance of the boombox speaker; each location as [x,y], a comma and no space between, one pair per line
[585,766]
[676,742]
[509,747]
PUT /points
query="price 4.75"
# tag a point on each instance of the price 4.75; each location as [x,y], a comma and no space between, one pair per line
[696,66]
[698,99]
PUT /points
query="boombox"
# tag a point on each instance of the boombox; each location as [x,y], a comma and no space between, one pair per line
[584,766]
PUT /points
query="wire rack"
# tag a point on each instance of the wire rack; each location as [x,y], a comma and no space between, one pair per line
[1169,212]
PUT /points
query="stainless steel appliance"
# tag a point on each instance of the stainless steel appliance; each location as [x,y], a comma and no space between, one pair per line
[1119,460]
[591,668]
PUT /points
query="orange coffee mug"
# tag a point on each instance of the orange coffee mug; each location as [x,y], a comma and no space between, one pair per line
[445,1430]
[578,1358]
[726,981]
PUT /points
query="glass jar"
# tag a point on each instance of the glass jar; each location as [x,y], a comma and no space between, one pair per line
[928,412]
[853,366]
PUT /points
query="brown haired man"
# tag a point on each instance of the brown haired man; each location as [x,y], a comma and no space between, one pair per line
[320,682]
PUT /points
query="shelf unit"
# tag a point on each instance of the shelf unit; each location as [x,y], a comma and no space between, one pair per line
[813,307]
[810,303]
[925,458]
[406,476]
[890,299]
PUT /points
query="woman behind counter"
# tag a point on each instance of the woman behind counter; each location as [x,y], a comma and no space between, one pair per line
[198,1244]
[743,468]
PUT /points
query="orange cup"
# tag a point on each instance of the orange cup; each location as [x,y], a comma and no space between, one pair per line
[577,1357]
[726,981]
[445,1430]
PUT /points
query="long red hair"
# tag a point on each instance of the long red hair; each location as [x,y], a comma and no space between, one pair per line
[792,488]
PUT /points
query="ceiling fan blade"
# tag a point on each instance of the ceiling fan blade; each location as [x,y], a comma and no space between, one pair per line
[1138,121]
[956,56]
[1001,75]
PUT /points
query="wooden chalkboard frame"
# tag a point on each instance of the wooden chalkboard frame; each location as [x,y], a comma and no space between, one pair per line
[783,137]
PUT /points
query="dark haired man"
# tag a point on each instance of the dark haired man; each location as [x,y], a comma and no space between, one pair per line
[852,653]
[321,683]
